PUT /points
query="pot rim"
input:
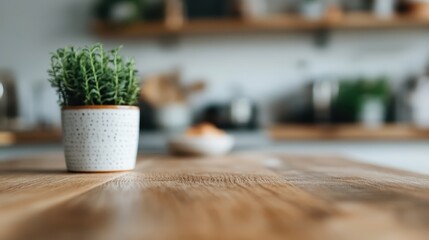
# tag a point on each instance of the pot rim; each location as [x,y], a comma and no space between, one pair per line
[100,107]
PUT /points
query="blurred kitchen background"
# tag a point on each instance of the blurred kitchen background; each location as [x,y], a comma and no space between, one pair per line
[302,76]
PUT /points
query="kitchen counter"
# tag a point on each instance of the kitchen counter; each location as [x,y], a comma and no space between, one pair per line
[242,196]
[407,155]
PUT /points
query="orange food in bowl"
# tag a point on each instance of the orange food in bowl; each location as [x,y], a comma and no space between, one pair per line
[204,129]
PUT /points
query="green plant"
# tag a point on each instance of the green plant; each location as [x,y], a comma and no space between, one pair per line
[93,76]
[353,93]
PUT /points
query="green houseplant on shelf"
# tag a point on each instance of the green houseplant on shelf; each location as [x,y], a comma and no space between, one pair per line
[98,91]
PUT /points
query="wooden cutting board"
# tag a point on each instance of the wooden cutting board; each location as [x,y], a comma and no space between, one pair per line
[245,196]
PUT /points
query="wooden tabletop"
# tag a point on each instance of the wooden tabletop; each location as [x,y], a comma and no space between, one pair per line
[245,196]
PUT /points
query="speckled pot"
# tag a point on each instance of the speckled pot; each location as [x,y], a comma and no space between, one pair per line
[100,138]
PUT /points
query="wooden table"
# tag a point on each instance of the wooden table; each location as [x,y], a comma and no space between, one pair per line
[245,196]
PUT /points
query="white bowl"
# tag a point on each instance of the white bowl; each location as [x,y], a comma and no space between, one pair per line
[201,145]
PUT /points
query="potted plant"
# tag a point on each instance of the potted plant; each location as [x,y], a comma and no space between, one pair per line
[97,92]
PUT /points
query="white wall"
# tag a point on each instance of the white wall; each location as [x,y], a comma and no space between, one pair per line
[264,66]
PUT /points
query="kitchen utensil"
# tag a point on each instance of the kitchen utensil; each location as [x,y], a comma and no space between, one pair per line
[162,89]
[167,88]
[169,98]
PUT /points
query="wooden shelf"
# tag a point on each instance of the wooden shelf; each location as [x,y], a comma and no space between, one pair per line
[9,138]
[274,23]
[347,132]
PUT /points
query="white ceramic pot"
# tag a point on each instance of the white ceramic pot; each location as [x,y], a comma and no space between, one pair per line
[100,138]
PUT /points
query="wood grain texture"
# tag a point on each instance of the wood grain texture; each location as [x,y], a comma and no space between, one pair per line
[245,196]
[392,132]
